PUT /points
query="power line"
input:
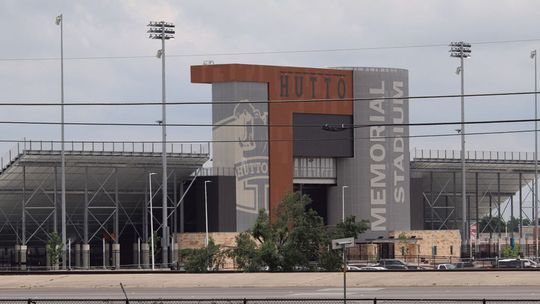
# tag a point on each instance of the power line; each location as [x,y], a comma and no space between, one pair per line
[273,102]
[329,127]
[261,140]
[390,47]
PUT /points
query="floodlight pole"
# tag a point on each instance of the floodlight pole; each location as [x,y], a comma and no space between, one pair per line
[60,21]
[462,50]
[164,31]
[535,194]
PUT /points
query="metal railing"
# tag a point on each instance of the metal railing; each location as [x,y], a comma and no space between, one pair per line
[216,171]
[314,167]
[472,155]
[129,147]
[266,301]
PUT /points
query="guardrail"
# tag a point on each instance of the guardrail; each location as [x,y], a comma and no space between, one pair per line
[267,301]
[100,146]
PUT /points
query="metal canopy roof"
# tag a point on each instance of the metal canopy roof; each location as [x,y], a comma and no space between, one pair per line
[485,170]
[35,175]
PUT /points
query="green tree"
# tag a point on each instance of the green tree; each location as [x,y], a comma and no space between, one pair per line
[331,260]
[54,249]
[493,225]
[208,258]
[245,254]
[296,238]
[508,252]
[513,224]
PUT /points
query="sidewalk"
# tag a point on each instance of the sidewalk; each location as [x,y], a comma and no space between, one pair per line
[269,280]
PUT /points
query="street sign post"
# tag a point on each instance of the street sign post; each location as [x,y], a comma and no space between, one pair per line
[343,244]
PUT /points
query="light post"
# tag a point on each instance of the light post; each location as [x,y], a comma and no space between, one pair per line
[206,210]
[164,31]
[60,21]
[151,220]
[343,203]
[462,50]
[535,194]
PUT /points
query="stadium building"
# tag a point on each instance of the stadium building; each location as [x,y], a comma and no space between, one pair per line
[339,135]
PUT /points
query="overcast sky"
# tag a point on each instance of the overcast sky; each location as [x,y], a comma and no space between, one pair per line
[118,28]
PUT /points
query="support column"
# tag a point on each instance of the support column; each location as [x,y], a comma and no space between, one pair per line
[116,255]
[85,211]
[499,211]
[174,248]
[23,251]
[23,208]
[55,200]
[22,248]
[181,207]
[136,254]
[106,254]
[455,201]
[145,251]
[145,209]
[431,197]
[520,211]
[77,249]
[86,256]
[511,219]
[477,210]
[17,254]
[490,219]
[116,244]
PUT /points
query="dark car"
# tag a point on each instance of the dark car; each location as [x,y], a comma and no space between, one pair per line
[392,264]
[462,265]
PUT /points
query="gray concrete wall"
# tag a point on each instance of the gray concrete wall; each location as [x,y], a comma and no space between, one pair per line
[249,154]
[378,175]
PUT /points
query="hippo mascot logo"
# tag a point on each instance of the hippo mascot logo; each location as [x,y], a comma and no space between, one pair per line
[252,169]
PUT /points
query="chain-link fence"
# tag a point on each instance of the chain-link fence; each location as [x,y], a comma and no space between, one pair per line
[267,301]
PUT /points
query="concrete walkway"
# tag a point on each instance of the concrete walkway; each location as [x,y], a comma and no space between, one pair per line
[354,279]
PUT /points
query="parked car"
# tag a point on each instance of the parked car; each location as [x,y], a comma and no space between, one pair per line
[517,263]
[446,267]
[392,264]
[368,268]
[353,268]
[462,265]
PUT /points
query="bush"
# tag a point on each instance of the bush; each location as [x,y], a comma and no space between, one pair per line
[209,258]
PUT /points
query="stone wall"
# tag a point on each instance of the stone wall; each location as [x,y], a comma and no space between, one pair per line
[196,240]
[418,245]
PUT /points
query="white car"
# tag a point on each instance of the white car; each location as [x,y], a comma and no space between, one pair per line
[446,266]
[372,268]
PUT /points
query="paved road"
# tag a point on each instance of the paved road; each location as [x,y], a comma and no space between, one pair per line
[514,292]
